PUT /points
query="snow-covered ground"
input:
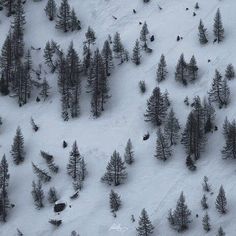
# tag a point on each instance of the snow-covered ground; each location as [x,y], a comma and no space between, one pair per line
[151,184]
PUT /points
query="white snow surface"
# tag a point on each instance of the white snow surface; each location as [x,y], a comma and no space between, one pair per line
[151,184]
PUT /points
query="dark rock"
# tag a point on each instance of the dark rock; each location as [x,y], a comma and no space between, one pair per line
[58,207]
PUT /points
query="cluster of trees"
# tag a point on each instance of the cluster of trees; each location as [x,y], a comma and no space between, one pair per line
[66,18]
[218,30]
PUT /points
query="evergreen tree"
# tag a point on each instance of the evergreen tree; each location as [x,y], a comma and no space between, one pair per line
[118,47]
[181,215]
[107,57]
[10,6]
[51,10]
[115,202]
[220,232]
[229,72]
[129,153]
[181,71]
[17,150]
[90,36]
[37,194]
[190,163]
[172,127]
[156,108]
[226,126]
[64,16]
[49,52]
[202,33]
[143,35]
[204,202]
[209,116]
[52,195]
[87,59]
[34,126]
[74,22]
[115,172]
[50,162]
[221,202]
[45,89]
[41,174]
[225,93]
[145,227]
[206,223]
[192,70]
[136,53]
[205,185]
[218,27]
[161,70]
[163,149]
[4,181]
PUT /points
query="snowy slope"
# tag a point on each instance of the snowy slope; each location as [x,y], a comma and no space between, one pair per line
[151,184]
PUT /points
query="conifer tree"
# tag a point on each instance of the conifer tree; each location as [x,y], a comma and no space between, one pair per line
[202,33]
[45,89]
[50,162]
[41,174]
[229,72]
[118,47]
[129,153]
[10,6]
[163,149]
[64,16]
[181,71]
[218,27]
[90,36]
[136,58]
[37,194]
[156,108]
[52,195]
[87,59]
[107,57]
[17,150]
[204,202]
[115,202]
[34,126]
[115,171]
[205,185]
[145,227]
[74,22]
[161,70]
[221,202]
[225,93]
[143,35]
[4,181]
[206,223]
[181,215]
[190,163]
[51,10]
[209,116]
[172,127]
[192,70]
[220,232]
[49,52]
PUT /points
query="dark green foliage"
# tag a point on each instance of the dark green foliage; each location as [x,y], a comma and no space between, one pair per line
[218,27]
[51,10]
[115,202]
[52,195]
[229,72]
[41,174]
[136,58]
[115,171]
[50,161]
[181,71]
[142,86]
[37,194]
[145,227]
[206,223]
[129,153]
[17,149]
[220,232]
[143,35]
[161,70]
[64,16]
[205,185]
[202,33]
[221,201]
[107,57]
[204,202]
[190,163]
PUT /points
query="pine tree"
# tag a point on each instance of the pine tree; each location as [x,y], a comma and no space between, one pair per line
[115,171]
[190,163]
[64,16]
[209,116]
[156,108]
[170,218]
[41,174]
[161,70]
[87,59]
[181,215]
[221,202]
[136,53]
[163,149]
[205,185]
[129,153]
[4,181]
[181,71]
[37,194]
[192,70]
[107,57]
[206,223]
[172,127]
[10,6]
[229,72]
[51,10]
[118,47]
[225,93]
[50,162]
[34,126]
[143,35]
[204,202]
[115,202]
[145,227]
[74,22]
[218,27]
[45,89]
[202,33]
[17,150]
[49,52]
[52,195]
[220,232]
[90,36]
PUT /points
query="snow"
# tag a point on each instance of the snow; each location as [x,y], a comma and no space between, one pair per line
[151,184]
